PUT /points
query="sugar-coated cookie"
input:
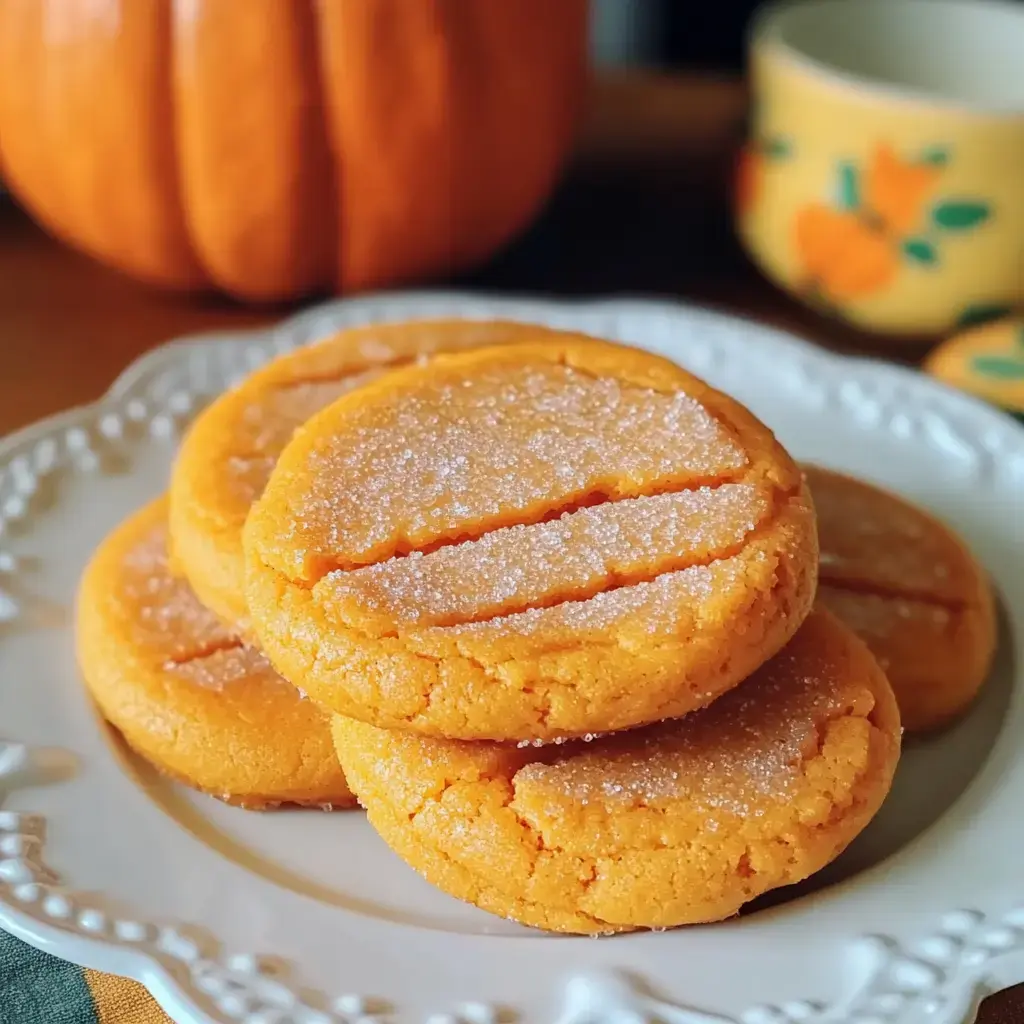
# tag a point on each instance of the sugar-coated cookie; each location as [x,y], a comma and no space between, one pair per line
[185,692]
[534,541]
[228,453]
[676,823]
[912,591]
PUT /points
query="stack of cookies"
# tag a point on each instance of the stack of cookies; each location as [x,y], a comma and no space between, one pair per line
[544,605]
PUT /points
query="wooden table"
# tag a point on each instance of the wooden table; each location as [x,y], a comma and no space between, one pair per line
[643,210]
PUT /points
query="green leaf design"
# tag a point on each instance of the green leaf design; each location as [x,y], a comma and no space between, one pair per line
[778,148]
[1001,367]
[937,156]
[982,313]
[920,250]
[960,215]
[848,195]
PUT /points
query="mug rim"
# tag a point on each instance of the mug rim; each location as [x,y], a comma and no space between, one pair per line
[767,30]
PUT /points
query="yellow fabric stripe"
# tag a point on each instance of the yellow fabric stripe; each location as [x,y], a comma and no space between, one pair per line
[120,1001]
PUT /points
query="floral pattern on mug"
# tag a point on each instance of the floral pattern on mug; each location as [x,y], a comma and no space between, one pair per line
[884,217]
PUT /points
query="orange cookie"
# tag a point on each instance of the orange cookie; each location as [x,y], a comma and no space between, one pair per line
[910,588]
[529,542]
[185,692]
[227,455]
[677,823]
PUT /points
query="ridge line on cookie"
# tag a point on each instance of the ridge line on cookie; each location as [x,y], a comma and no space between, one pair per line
[547,689]
[446,526]
[596,497]
[591,499]
[207,650]
[894,592]
[606,581]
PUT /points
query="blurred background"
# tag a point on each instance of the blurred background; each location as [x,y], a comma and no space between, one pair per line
[665,185]
[667,33]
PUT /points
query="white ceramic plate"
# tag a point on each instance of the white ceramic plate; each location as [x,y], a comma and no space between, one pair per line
[302,917]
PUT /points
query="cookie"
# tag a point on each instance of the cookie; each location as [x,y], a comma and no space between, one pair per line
[185,692]
[529,542]
[912,591]
[677,823]
[227,455]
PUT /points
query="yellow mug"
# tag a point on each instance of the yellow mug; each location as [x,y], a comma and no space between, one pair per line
[883,178]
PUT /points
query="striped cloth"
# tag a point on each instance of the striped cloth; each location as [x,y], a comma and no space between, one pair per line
[36,988]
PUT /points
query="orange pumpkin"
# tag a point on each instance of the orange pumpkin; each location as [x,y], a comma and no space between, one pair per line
[272,148]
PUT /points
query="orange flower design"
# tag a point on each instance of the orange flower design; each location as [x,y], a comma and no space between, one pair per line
[883,219]
[895,190]
[842,256]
